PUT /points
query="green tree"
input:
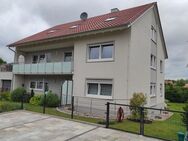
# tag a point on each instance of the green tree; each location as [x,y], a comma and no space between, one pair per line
[138,100]
[2,61]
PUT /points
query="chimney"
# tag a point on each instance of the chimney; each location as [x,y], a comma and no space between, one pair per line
[114,10]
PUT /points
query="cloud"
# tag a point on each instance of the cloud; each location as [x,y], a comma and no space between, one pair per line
[22,18]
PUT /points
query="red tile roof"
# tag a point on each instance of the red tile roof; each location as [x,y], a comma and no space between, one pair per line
[122,17]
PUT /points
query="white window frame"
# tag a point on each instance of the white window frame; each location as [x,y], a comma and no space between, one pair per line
[36,83]
[153,89]
[99,82]
[153,34]
[100,59]
[161,66]
[153,62]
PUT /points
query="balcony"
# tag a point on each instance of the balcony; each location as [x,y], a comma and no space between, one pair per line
[43,68]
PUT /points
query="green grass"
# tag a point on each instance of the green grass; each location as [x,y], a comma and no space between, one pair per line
[161,129]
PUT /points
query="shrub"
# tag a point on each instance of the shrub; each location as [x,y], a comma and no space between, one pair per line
[18,93]
[138,100]
[5,96]
[7,106]
[52,100]
[35,100]
[176,93]
[184,116]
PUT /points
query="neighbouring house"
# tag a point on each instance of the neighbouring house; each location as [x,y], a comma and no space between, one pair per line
[105,58]
[167,82]
[5,77]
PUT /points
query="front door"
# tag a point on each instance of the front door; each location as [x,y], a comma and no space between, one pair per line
[66,92]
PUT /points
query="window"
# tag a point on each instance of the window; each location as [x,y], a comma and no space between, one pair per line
[67,56]
[94,52]
[153,34]
[35,59]
[161,90]
[99,88]
[42,58]
[153,61]
[39,58]
[161,66]
[37,85]
[32,85]
[152,89]
[93,88]
[101,52]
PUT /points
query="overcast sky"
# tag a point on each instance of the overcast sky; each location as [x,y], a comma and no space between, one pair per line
[21,18]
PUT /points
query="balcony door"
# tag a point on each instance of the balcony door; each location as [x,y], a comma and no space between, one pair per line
[66,92]
[67,57]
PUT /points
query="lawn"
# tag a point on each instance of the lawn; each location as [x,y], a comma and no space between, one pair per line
[161,129]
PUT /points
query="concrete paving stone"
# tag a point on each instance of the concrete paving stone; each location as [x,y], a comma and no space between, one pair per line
[29,126]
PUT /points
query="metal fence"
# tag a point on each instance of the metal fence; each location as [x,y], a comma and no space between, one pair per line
[158,123]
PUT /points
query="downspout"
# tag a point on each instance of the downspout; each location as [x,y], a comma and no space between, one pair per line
[12,68]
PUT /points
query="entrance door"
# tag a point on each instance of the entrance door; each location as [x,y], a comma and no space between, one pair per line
[66,92]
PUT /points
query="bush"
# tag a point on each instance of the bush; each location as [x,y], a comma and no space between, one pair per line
[176,93]
[7,106]
[138,100]
[17,94]
[35,100]
[5,96]
[52,100]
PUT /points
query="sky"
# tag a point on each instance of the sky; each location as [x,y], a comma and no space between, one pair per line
[21,18]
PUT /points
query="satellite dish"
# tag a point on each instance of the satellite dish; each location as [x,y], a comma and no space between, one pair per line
[83,16]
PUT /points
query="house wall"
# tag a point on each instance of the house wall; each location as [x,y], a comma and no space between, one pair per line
[115,70]
[140,73]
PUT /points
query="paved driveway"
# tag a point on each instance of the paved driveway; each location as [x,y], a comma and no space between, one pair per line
[28,126]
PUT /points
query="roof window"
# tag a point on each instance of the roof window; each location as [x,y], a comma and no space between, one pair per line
[52,31]
[74,26]
[110,19]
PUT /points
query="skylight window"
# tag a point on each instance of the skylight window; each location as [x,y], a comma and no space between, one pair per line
[52,31]
[110,19]
[74,26]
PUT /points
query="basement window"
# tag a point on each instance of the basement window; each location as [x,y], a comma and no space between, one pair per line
[99,88]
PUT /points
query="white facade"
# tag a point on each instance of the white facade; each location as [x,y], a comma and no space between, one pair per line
[127,71]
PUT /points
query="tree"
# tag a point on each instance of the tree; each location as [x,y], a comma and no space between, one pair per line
[138,100]
[2,61]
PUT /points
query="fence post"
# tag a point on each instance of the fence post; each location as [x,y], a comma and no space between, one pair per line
[141,120]
[22,100]
[44,104]
[107,114]
[72,109]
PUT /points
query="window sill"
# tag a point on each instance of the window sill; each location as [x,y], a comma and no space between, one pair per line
[152,96]
[99,60]
[98,96]
[153,68]
[36,89]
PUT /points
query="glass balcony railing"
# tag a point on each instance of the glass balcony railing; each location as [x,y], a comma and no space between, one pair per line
[43,68]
